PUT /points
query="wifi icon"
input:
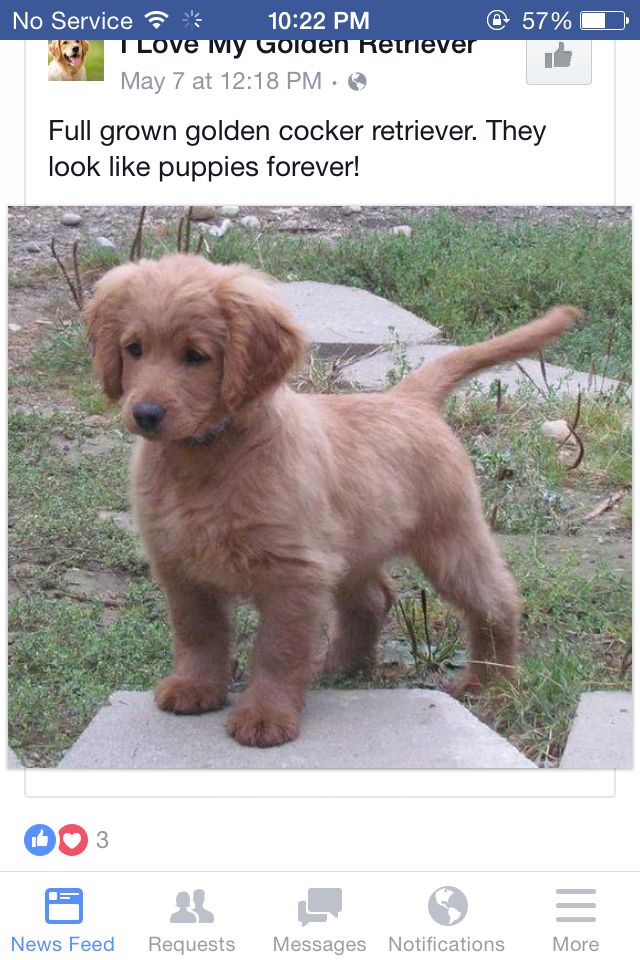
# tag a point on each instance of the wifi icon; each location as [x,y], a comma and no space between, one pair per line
[156,17]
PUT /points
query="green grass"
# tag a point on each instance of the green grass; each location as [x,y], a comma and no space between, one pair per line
[64,352]
[576,633]
[65,664]
[95,60]
[55,500]
[470,279]
[474,279]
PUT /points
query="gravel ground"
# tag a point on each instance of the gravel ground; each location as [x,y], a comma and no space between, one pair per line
[31,228]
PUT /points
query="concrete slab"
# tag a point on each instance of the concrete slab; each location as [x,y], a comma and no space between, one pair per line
[602,734]
[13,762]
[341,729]
[346,321]
[371,372]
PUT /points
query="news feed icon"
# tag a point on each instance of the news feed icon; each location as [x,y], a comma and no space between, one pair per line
[75,60]
[63,905]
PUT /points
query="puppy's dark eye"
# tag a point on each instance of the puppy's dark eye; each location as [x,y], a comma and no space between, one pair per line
[134,348]
[194,357]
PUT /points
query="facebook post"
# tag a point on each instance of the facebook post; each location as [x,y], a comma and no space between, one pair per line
[319,477]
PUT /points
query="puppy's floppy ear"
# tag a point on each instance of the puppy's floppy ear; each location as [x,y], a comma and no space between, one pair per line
[54,50]
[264,343]
[85,47]
[103,318]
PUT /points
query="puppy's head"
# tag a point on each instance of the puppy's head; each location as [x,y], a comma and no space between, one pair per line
[70,53]
[186,343]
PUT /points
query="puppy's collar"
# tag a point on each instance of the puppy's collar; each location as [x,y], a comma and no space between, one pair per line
[204,439]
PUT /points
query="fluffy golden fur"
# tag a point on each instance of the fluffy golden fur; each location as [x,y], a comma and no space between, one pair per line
[68,59]
[243,488]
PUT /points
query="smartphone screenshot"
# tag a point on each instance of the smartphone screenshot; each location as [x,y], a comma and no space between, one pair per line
[318,466]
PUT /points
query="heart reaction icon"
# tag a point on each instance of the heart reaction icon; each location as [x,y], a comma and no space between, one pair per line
[73,840]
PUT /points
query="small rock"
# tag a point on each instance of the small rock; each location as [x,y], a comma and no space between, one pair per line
[105,243]
[230,210]
[219,230]
[120,518]
[402,231]
[289,225]
[557,430]
[33,247]
[96,420]
[15,327]
[354,208]
[203,213]
[251,223]
[71,220]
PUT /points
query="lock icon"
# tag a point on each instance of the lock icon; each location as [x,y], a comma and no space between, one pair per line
[496,21]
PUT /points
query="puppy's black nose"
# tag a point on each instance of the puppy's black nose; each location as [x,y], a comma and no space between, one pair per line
[148,415]
[75,49]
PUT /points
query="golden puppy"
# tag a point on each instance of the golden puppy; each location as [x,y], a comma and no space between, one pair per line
[68,59]
[243,488]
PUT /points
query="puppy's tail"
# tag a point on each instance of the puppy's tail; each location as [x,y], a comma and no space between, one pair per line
[436,380]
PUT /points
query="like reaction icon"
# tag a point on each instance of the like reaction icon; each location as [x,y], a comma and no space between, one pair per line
[40,840]
[73,840]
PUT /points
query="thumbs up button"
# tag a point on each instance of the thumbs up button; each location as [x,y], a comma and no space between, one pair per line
[559,63]
[40,840]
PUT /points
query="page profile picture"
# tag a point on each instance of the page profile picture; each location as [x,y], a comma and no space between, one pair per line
[75,60]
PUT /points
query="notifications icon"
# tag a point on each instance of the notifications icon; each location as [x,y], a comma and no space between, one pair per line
[73,840]
[320,902]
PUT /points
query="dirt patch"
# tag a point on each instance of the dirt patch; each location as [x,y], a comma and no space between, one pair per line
[589,549]
[75,450]
[104,585]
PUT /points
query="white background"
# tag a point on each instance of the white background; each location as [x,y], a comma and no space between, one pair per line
[554,821]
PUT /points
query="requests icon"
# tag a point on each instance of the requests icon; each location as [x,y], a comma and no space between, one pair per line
[320,902]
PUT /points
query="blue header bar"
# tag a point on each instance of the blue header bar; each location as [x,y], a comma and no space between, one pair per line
[363,20]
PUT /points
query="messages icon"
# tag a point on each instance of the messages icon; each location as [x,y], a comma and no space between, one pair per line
[320,902]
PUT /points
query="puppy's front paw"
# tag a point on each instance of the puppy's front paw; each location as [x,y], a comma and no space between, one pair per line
[184,695]
[254,726]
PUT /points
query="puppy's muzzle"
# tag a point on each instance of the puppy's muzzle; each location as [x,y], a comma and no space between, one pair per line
[148,416]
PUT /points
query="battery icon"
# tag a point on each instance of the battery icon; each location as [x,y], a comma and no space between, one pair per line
[603,20]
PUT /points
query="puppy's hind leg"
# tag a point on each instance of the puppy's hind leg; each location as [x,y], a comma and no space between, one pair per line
[361,606]
[466,567]
[201,653]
